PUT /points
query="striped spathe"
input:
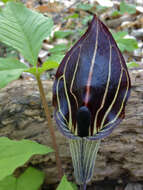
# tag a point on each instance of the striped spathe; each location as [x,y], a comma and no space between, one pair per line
[90,92]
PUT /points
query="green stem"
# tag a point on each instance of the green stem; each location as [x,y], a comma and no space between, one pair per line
[51,127]
[83,187]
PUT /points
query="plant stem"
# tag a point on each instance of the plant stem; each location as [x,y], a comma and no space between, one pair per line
[83,187]
[51,127]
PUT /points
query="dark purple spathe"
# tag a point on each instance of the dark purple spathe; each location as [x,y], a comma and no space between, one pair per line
[93,74]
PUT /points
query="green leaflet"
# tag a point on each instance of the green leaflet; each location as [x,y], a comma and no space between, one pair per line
[15,153]
[132,64]
[24,30]
[58,48]
[65,185]
[127,8]
[125,44]
[49,64]
[63,33]
[84,6]
[10,69]
[31,179]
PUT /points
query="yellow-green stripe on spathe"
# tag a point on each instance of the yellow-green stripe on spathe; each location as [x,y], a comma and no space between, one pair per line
[106,90]
[110,107]
[115,97]
[74,74]
[75,148]
[84,153]
[126,93]
[67,97]
[58,101]
[69,124]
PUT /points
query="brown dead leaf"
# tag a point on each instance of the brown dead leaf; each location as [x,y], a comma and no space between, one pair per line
[29,4]
[50,8]
[71,10]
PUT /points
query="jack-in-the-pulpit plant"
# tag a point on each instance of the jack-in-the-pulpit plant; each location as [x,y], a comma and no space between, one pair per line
[90,92]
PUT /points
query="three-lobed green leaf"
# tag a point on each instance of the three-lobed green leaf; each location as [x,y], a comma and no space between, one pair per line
[16,153]
[10,69]
[47,65]
[24,30]
[31,179]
